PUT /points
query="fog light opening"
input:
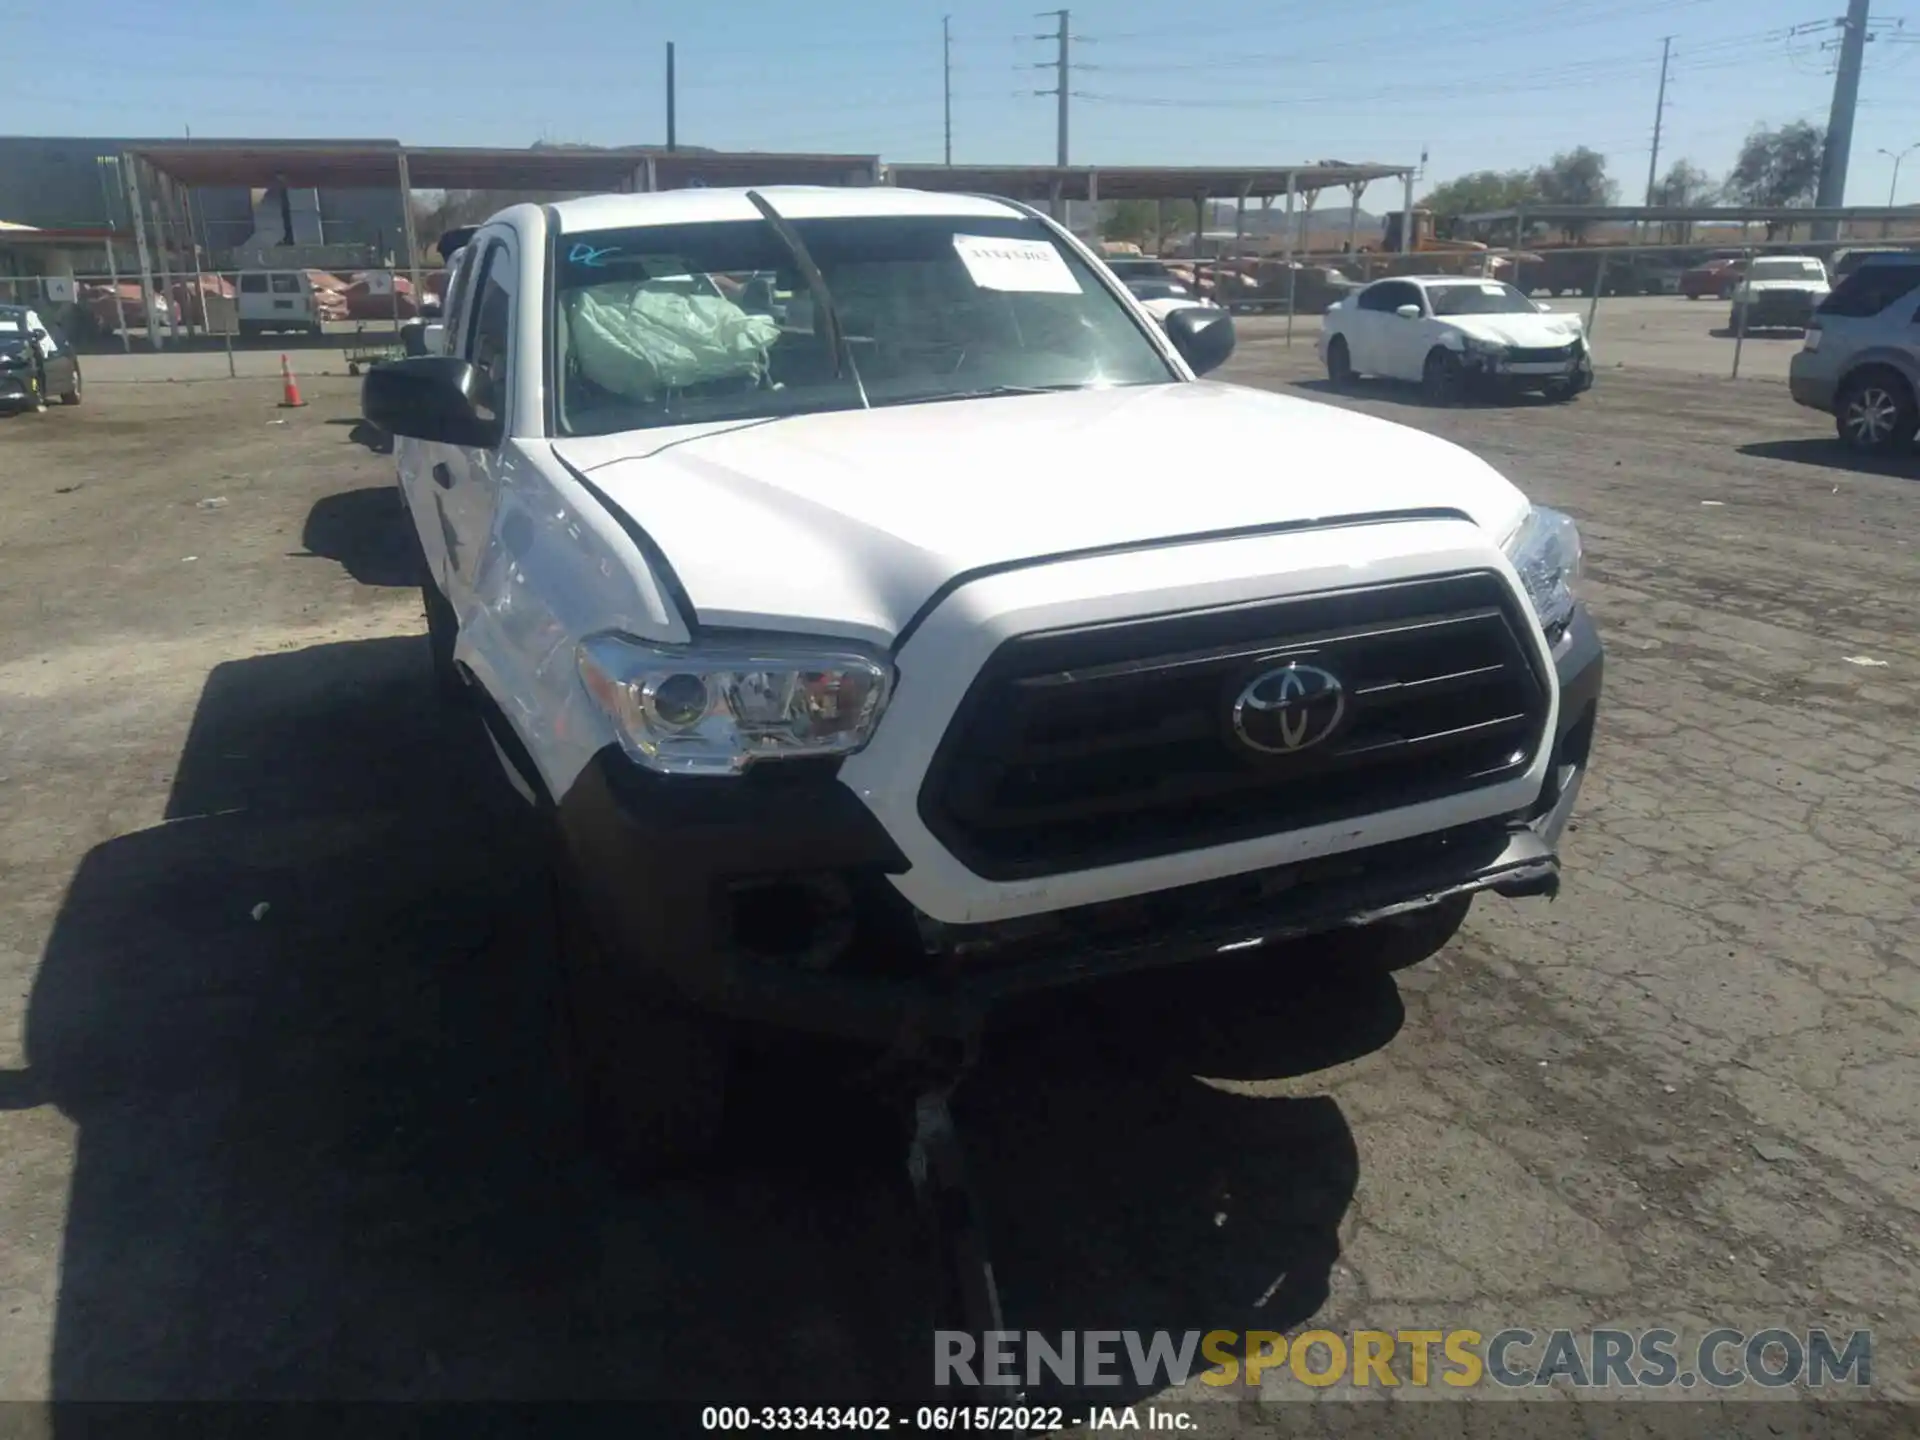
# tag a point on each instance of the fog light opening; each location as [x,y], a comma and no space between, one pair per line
[803,922]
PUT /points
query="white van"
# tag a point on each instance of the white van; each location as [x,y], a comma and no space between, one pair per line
[277,300]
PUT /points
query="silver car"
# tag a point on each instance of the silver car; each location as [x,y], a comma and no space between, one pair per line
[1861,359]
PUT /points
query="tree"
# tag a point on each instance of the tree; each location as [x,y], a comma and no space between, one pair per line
[1135,220]
[1779,168]
[1481,190]
[1576,177]
[1684,185]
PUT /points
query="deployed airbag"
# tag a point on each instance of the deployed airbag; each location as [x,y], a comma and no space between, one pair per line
[638,340]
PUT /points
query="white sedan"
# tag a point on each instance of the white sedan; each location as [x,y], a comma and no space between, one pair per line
[1452,333]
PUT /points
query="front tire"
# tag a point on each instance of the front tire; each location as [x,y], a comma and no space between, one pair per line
[72,396]
[1876,413]
[1339,363]
[648,1072]
[1442,378]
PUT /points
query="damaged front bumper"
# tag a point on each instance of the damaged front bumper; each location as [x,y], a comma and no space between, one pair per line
[766,898]
[1527,370]
[18,386]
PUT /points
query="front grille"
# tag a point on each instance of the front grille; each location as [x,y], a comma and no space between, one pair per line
[1540,354]
[1086,747]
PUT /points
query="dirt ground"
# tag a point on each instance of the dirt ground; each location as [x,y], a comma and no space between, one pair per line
[276,1118]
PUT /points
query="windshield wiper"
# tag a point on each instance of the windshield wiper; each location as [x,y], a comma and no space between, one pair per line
[985,392]
[824,311]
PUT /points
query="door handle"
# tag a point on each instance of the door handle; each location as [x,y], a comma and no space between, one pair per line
[442,476]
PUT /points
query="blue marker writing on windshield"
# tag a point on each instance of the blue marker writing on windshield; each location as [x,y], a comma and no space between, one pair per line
[590,255]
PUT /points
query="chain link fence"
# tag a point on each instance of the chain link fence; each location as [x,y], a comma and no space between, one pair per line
[1741,289]
[360,313]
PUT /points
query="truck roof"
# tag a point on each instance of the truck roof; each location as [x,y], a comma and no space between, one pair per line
[796,202]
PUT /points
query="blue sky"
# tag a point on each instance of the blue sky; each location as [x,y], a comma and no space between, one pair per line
[1475,83]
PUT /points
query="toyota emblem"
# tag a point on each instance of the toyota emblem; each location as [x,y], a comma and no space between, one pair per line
[1290,709]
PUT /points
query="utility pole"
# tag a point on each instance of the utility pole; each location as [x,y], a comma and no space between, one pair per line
[1659,113]
[1061,68]
[1060,159]
[946,77]
[1893,185]
[1846,96]
[670,97]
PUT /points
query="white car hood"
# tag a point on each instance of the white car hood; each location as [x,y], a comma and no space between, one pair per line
[846,523]
[1756,287]
[1532,331]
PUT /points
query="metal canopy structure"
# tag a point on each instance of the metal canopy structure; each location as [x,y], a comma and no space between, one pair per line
[1141,182]
[371,164]
[1686,214]
[159,176]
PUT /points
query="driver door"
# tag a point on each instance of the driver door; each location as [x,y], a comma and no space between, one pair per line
[1362,328]
[1403,342]
[465,481]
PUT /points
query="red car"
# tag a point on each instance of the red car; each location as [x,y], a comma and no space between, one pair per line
[1715,278]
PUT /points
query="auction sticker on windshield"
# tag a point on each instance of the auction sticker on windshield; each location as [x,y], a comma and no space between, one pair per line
[1019,265]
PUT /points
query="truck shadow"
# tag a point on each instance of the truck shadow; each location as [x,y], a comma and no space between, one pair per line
[303,1031]
[1405,392]
[365,531]
[1831,454]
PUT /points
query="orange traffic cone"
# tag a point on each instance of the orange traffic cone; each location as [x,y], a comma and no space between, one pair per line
[290,391]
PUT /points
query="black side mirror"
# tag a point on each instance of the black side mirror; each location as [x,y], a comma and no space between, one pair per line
[430,397]
[37,334]
[1203,337]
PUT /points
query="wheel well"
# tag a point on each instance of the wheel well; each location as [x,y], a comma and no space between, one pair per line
[509,743]
[1875,367]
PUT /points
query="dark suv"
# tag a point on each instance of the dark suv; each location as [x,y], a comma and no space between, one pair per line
[1861,359]
[35,361]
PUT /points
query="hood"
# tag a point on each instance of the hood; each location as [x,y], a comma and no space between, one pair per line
[1761,287]
[1522,329]
[846,523]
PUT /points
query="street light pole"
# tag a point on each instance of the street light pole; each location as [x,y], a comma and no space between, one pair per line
[1893,186]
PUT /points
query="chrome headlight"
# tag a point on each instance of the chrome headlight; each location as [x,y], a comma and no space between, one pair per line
[1545,551]
[716,709]
[1477,346]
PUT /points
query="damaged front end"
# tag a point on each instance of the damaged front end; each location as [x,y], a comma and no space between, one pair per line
[1493,366]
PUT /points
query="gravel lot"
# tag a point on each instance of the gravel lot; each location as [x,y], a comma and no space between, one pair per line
[314,1150]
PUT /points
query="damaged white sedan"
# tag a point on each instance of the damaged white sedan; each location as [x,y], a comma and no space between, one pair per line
[1453,334]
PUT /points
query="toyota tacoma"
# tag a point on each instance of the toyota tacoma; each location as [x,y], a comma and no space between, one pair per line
[838,579]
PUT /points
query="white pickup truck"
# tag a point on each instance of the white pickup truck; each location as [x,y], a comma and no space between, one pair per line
[886,619]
